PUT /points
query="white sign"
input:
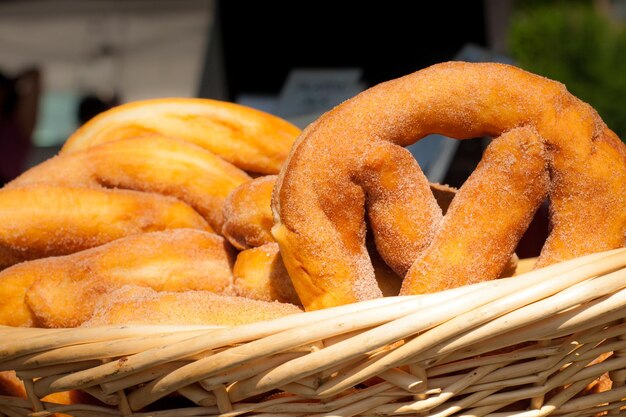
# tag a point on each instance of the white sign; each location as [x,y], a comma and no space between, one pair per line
[310,91]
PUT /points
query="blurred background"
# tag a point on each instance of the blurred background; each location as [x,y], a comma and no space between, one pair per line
[63,61]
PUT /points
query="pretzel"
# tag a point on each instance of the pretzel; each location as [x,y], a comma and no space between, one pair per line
[248,217]
[249,139]
[42,220]
[62,291]
[247,213]
[351,161]
[78,199]
[259,270]
[151,163]
[140,305]
[259,274]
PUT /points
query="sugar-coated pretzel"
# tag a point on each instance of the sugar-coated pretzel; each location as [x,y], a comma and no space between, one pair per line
[142,305]
[42,220]
[123,173]
[151,163]
[61,291]
[248,138]
[350,162]
[248,218]
[247,213]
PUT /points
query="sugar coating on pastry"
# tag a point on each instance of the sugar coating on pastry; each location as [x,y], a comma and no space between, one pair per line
[350,164]
[62,291]
[152,163]
[44,220]
[138,305]
[259,274]
[247,213]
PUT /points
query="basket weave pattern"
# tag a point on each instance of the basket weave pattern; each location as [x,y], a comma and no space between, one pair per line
[522,346]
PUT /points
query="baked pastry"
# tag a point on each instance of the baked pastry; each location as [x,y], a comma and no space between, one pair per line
[248,216]
[250,139]
[259,274]
[43,220]
[139,305]
[151,163]
[351,162]
[62,291]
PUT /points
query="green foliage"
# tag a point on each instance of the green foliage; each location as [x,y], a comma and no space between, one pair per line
[574,44]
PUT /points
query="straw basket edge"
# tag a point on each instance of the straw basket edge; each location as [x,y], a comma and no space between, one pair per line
[525,346]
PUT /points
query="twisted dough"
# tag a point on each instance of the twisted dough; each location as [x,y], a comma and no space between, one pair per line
[259,270]
[471,245]
[151,163]
[259,274]
[43,220]
[140,305]
[62,291]
[248,217]
[247,213]
[250,139]
[351,160]
[65,204]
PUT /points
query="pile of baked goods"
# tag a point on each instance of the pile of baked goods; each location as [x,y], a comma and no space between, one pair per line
[194,211]
[135,197]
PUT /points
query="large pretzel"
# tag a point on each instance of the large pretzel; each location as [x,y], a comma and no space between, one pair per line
[350,163]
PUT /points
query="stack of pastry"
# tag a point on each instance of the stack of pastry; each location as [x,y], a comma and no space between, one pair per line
[190,211]
[135,198]
[200,195]
[124,225]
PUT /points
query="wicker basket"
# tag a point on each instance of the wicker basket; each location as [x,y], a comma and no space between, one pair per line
[521,346]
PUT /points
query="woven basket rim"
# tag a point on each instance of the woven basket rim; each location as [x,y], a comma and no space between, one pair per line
[437,354]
